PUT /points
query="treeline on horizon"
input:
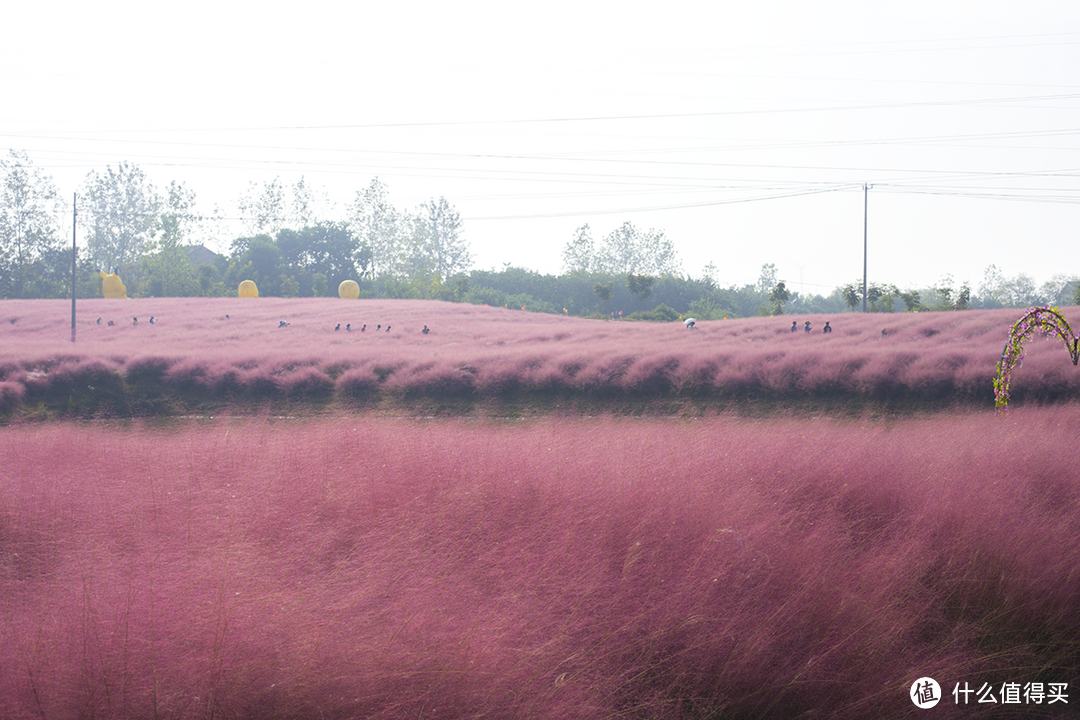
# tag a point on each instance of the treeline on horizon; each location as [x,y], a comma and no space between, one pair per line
[152,240]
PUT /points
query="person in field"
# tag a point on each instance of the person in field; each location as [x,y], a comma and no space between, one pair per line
[99,321]
[135,321]
[806,327]
[153,321]
[337,327]
[425,330]
[364,328]
[827,328]
[884,333]
[794,326]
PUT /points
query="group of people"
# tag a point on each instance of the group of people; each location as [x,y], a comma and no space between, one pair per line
[827,328]
[134,321]
[281,324]
[806,326]
[348,327]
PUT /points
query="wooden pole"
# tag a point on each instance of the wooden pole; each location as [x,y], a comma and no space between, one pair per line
[866,202]
[74,215]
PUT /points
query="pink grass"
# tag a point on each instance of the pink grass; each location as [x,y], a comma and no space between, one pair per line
[194,353]
[548,569]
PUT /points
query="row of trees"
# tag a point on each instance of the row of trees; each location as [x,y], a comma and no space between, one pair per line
[996,291]
[129,226]
[290,249]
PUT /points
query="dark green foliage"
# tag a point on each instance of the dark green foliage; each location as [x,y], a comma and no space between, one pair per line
[639,285]
[779,297]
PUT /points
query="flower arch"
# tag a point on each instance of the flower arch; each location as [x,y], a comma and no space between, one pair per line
[1047,320]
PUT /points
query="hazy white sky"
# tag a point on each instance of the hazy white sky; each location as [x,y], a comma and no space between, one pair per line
[744,130]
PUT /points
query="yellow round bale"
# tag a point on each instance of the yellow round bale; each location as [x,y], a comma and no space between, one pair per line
[348,289]
[248,289]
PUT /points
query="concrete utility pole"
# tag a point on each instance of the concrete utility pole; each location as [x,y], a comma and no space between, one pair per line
[866,202]
[74,215]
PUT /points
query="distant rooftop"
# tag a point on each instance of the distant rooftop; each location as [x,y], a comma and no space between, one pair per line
[200,255]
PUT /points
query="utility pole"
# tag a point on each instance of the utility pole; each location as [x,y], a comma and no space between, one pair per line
[866,203]
[74,215]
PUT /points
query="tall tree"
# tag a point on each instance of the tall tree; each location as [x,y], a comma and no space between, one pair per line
[178,218]
[852,294]
[1023,292]
[629,250]
[579,255]
[767,280]
[309,205]
[993,291]
[264,208]
[378,225]
[437,237]
[779,296]
[29,222]
[121,215]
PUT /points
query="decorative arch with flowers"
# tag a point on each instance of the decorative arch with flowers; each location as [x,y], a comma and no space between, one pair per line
[1047,320]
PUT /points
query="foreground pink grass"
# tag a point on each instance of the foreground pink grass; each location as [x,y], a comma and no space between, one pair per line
[194,355]
[361,568]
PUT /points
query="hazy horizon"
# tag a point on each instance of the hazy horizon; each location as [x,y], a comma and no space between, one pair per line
[745,132]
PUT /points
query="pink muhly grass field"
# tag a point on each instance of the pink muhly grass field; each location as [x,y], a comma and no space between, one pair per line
[193,353]
[391,568]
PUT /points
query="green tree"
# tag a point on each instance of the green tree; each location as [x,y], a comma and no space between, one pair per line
[168,273]
[874,294]
[630,250]
[178,219]
[579,255]
[305,205]
[945,293]
[603,291]
[257,259]
[120,215]
[436,245]
[206,280]
[29,223]
[1059,289]
[963,298]
[640,286]
[328,248]
[264,208]
[767,279]
[852,294]
[779,296]
[379,227]
[289,287]
[1023,291]
[993,291]
[911,300]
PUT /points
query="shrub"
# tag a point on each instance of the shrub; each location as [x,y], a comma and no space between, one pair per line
[357,383]
[11,395]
